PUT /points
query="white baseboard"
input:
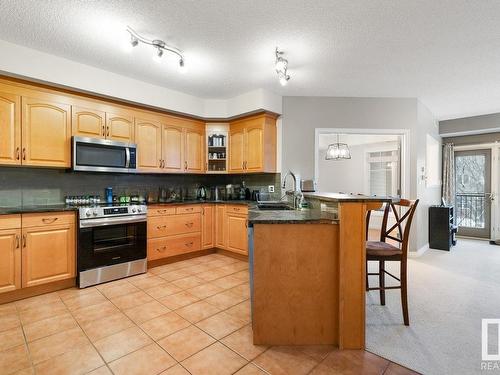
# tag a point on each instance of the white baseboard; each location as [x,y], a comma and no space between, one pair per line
[419,252]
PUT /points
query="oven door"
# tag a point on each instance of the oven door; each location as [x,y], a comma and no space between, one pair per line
[100,246]
[101,155]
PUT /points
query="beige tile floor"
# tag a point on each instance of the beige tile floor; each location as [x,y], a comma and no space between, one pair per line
[189,317]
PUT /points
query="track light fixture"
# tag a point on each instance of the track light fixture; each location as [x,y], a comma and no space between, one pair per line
[158,44]
[281,66]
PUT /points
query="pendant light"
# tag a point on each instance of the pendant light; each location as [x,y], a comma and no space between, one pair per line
[338,151]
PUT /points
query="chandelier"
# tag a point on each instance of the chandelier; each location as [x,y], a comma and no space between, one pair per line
[338,151]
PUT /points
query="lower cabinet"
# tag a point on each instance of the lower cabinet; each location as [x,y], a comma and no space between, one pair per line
[10,253]
[48,254]
[237,239]
[208,226]
[36,249]
[173,232]
[220,226]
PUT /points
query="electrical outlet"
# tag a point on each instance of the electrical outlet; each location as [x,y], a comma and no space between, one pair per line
[270,188]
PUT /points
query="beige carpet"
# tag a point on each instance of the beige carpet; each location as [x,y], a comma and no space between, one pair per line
[449,294]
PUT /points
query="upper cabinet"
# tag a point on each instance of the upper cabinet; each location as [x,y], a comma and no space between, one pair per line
[46,132]
[194,150]
[148,135]
[10,129]
[173,149]
[179,145]
[252,145]
[120,127]
[88,122]
[105,125]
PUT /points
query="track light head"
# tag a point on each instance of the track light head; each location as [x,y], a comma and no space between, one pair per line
[281,67]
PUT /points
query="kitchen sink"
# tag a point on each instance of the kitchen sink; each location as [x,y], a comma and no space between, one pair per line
[274,205]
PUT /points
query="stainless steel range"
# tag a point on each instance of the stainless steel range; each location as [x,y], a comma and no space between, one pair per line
[111,243]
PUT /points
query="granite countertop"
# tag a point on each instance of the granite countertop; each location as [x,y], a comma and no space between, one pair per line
[305,216]
[342,197]
[37,208]
[63,207]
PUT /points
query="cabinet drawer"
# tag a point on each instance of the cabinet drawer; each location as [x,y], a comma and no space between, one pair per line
[10,222]
[161,226]
[188,209]
[237,209]
[160,210]
[47,219]
[159,248]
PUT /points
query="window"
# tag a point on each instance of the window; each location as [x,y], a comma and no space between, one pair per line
[383,172]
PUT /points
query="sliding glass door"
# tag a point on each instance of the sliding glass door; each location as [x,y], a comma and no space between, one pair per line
[473,192]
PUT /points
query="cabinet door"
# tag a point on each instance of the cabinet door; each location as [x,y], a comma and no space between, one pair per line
[173,149]
[10,129]
[48,254]
[236,150]
[88,122]
[208,226]
[237,239]
[148,140]
[194,150]
[220,226]
[10,260]
[46,133]
[120,127]
[254,148]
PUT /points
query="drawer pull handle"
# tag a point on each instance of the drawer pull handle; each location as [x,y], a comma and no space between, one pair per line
[189,225]
[24,240]
[161,211]
[107,133]
[18,156]
[49,220]
[188,209]
[17,242]
[24,153]
[103,132]
[160,227]
[189,244]
[236,209]
[162,250]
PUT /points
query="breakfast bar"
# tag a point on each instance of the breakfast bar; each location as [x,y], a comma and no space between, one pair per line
[307,270]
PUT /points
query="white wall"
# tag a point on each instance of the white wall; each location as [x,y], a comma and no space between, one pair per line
[22,62]
[301,115]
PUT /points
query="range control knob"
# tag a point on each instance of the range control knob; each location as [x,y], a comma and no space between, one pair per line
[88,213]
[134,210]
[95,212]
[139,209]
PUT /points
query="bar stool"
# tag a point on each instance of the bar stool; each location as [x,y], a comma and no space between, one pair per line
[383,251]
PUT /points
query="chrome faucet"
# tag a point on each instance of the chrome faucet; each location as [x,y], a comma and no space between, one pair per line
[297,196]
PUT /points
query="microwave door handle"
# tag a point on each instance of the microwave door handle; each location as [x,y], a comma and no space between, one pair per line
[127,153]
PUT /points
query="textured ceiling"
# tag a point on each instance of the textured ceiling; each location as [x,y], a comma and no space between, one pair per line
[446,52]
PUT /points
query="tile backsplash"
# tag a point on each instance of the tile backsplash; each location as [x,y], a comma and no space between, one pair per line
[37,186]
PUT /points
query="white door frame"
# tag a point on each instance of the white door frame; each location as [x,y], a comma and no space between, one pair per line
[405,149]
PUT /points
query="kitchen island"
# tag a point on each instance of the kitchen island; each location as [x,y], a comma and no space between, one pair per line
[307,272]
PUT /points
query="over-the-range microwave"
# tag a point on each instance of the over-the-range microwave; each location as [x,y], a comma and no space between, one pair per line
[102,155]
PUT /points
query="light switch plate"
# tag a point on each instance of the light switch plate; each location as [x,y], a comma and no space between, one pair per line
[270,188]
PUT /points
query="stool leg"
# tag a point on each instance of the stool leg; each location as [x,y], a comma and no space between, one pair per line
[404,294]
[381,281]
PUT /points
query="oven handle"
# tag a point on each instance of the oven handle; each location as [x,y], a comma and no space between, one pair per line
[127,153]
[89,223]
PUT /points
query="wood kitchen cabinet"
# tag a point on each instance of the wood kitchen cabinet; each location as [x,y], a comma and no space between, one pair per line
[253,145]
[148,134]
[194,150]
[87,122]
[173,148]
[10,253]
[10,129]
[48,248]
[46,132]
[220,226]
[237,238]
[120,127]
[208,226]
